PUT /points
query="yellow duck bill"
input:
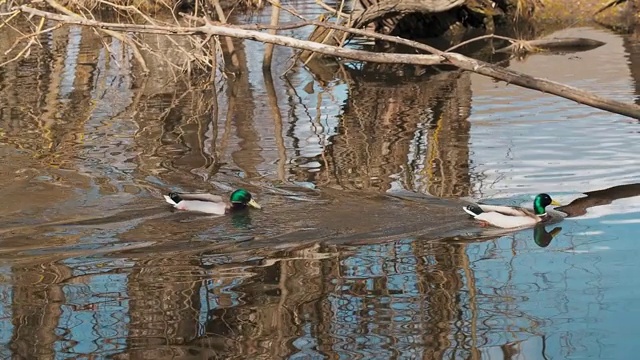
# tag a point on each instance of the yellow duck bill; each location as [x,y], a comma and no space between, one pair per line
[254,204]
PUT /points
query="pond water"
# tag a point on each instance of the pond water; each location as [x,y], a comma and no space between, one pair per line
[360,250]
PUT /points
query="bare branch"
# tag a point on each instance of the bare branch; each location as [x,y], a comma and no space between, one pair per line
[339,13]
[33,38]
[365,33]
[12,15]
[552,87]
[212,29]
[488,36]
[234,31]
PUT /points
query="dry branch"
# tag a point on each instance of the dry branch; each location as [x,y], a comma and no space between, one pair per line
[437,57]
[608,5]
[548,86]
[211,28]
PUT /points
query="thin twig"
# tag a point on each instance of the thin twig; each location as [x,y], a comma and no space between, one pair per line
[130,8]
[33,38]
[22,52]
[32,35]
[345,36]
[608,5]
[6,21]
[324,5]
[488,36]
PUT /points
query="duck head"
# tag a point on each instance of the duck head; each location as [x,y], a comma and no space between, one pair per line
[541,202]
[241,198]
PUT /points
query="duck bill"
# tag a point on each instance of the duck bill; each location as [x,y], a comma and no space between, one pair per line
[254,204]
[553,202]
[555,231]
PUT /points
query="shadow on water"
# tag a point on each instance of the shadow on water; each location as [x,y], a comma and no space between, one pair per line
[361,250]
[592,199]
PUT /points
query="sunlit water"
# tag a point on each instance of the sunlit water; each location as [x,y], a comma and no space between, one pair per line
[92,262]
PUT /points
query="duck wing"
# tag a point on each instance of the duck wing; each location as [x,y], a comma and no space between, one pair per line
[506,210]
[205,203]
[507,221]
[216,208]
[201,197]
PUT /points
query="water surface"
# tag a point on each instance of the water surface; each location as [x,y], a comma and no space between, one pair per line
[360,251]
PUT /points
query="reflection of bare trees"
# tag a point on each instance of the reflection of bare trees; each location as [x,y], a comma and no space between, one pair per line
[38,122]
[415,131]
[447,166]
[164,305]
[201,127]
[384,298]
[177,304]
[373,138]
[273,308]
[439,275]
[297,304]
[419,296]
[240,113]
[37,306]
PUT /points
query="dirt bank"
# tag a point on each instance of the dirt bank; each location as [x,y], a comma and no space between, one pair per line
[580,12]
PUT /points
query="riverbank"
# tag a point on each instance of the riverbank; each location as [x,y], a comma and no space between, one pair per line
[568,13]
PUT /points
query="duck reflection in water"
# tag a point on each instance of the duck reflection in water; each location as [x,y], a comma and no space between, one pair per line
[542,237]
[241,220]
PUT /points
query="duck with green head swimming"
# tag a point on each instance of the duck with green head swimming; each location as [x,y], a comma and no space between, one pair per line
[508,217]
[212,204]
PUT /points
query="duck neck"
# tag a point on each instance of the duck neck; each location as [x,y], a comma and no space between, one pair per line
[237,206]
[538,208]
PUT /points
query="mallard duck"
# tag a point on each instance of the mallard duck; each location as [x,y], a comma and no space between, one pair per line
[212,204]
[508,217]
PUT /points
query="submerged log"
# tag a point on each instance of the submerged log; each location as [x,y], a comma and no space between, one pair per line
[554,44]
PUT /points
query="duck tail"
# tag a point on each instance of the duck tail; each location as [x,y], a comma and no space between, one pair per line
[173,198]
[473,210]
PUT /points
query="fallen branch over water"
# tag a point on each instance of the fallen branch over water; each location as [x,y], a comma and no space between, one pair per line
[211,28]
[544,85]
[436,57]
